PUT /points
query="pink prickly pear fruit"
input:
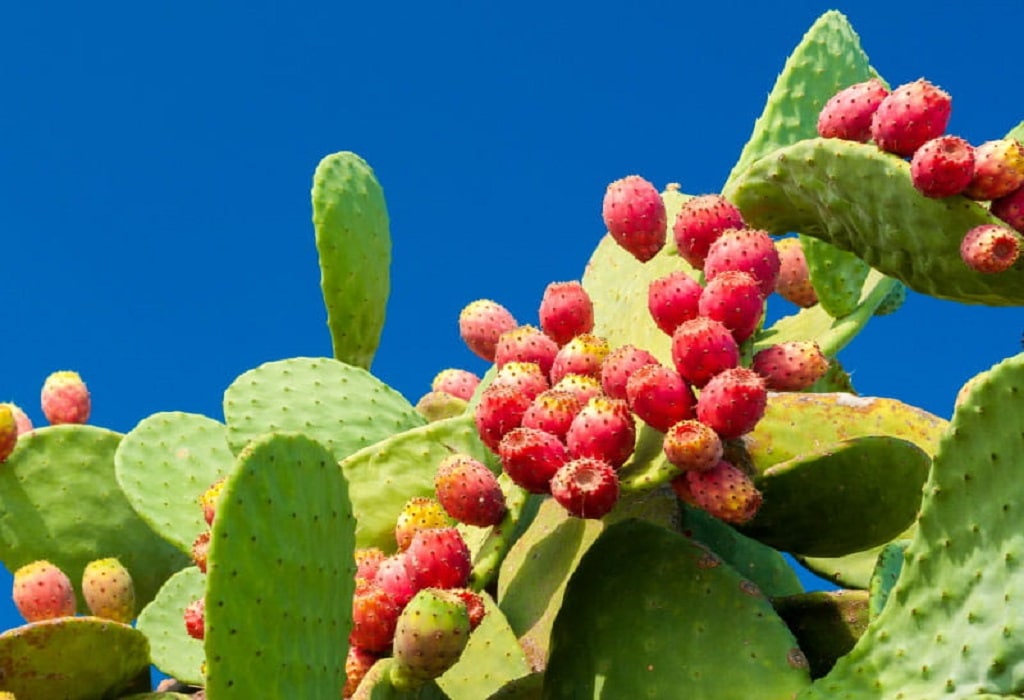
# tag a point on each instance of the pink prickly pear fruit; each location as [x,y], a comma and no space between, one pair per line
[201,550]
[732,402]
[998,169]
[672,299]
[582,386]
[847,114]
[702,348]
[586,487]
[794,282]
[481,322]
[793,365]
[418,513]
[431,633]
[700,222]
[530,457]
[734,299]
[209,498]
[942,167]
[526,344]
[909,116]
[469,491]
[524,377]
[368,560]
[635,216]
[745,250]
[723,491]
[42,592]
[65,398]
[552,411]
[108,590]
[393,577]
[21,419]
[566,311]
[195,619]
[499,411]
[989,248]
[438,558]
[692,445]
[374,617]
[603,429]
[357,664]
[619,365]
[8,432]
[584,355]
[659,396]
[1009,208]
[460,383]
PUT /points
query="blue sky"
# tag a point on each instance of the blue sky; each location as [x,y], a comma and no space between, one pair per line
[157,159]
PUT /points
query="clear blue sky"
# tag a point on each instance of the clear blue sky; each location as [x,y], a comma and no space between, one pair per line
[157,158]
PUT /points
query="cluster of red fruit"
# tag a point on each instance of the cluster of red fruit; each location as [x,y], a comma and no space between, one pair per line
[911,122]
[42,591]
[64,399]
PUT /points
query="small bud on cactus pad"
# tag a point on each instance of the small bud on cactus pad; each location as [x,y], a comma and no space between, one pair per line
[989,248]
[659,396]
[460,383]
[526,344]
[603,429]
[431,633]
[469,491]
[909,116]
[673,299]
[357,663]
[566,311]
[195,619]
[701,348]
[1009,208]
[108,590]
[208,500]
[690,444]
[586,487]
[942,167]
[418,513]
[734,299]
[201,550]
[745,250]
[499,411]
[793,365]
[723,491]
[439,558]
[552,411]
[998,169]
[8,431]
[42,592]
[619,365]
[584,355]
[481,322]
[699,222]
[635,216]
[374,616]
[794,282]
[847,114]
[531,457]
[732,402]
[65,399]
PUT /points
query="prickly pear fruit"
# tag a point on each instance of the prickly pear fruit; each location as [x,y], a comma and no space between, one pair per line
[552,411]
[582,386]
[394,578]
[634,214]
[438,558]
[619,365]
[481,322]
[418,513]
[530,457]
[374,616]
[460,383]
[500,410]
[469,491]
[357,663]
[998,169]
[475,606]
[699,222]
[524,377]
[690,444]
[42,592]
[566,311]
[909,116]
[368,560]
[195,618]
[439,405]
[584,355]
[65,398]
[793,365]
[734,299]
[201,550]
[723,491]
[8,432]
[672,299]
[1009,208]
[847,114]
[794,282]
[603,429]
[586,487]
[989,248]
[746,250]
[942,167]
[21,419]
[108,590]
[701,348]
[659,396]
[430,635]
[208,500]
[526,344]
[733,401]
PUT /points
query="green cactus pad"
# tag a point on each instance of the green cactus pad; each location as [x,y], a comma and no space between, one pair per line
[861,200]
[72,658]
[353,238]
[158,696]
[342,407]
[837,276]
[850,571]
[60,501]
[162,621]
[674,601]
[866,491]
[529,687]
[383,476]
[886,573]
[489,545]
[1017,132]
[281,574]
[949,628]
[165,463]
[377,685]
[826,624]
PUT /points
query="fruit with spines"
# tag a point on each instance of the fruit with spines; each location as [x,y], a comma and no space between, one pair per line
[552,411]
[584,355]
[438,558]
[792,365]
[108,590]
[672,299]
[746,250]
[431,634]
[1010,208]
[469,491]
[619,365]
[418,513]
[700,221]
[357,663]
[460,383]
[998,169]
[634,214]
[942,166]
[732,402]
[692,445]
[566,311]
[201,550]
[582,386]
[393,577]
[195,619]
[702,348]
[367,560]
[208,500]
[909,116]
[481,322]
[794,281]
[374,616]
[42,591]
[990,249]
[847,114]
[500,410]
[530,457]
[603,429]
[65,398]
[736,300]
[586,487]
[659,396]
[723,491]
[526,344]
[8,432]
[524,377]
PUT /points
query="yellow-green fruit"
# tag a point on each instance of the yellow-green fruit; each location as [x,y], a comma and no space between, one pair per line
[108,590]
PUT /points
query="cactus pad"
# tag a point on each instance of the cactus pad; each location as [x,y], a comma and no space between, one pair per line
[826,624]
[886,574]
[162,621]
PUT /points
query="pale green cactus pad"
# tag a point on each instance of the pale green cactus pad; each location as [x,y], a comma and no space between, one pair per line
[281,574]
[165,463]
[60,501]
[73,658]
[163,622]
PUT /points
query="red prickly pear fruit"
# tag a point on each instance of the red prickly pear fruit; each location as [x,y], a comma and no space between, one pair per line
[701,348]
[531,457]
[794,282]
[732,402]
[581,355]
[692,445]
[989,248]
[357,664]
[393,577]
[481,322]
[942,167]
[603,429]
[659,396]
[586,487]
[673,299]
[700,222]
[8,432]
[735,300]
[745,250]
[500,410]
[526,344]
[909,116]
[524,377]
[1009,208]
[582,386]
[474,606]
[793,365]
[65,398]
[418,513]
[374,616]
[201,550]
[438,558]
[469,491]
[998,169]
[195,619]
[619,365]
[431,633]
[635,216]
[566,311]
[42,592]
[108,590]
[368,560]
[209,498]
[460,383]
[723,491]
[552,411]
[21,419]
[847,114]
